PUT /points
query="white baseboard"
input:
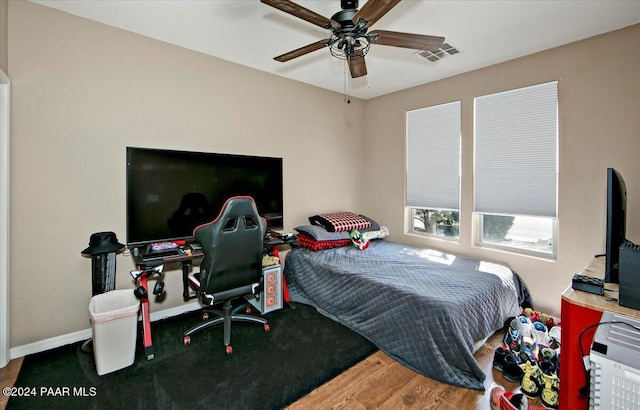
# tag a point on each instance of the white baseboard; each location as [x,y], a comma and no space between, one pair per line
[62,340]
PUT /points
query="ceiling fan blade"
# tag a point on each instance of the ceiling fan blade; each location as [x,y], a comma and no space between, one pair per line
[357,66]
[301,51]
[373,10]
[301,12]
[406,40]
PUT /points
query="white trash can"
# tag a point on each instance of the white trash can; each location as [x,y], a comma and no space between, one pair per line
[114,322]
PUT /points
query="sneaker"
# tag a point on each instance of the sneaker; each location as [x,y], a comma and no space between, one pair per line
[513,337]
[502,399]
[526,325]
[540,333]
[548,354]
[555,334]
[532,382]
[551,385]
[550,322]
[498,358]
[529,350]
[510,368]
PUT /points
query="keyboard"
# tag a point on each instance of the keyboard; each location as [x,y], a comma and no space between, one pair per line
[160,254]
[588,284]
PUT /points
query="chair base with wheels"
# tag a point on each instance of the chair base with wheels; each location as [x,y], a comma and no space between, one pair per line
[225,317]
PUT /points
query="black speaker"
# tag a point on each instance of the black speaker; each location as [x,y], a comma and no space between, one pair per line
[629,275]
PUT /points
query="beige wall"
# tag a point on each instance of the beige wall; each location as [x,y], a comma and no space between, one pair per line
[83,91]
[4,9]
[599,113]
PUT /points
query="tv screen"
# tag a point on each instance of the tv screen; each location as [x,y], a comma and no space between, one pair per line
[171,192]
[616,223]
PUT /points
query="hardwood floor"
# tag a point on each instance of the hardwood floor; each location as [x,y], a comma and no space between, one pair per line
[8,375]
[378,382]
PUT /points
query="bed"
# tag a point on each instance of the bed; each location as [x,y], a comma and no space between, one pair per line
[422,307]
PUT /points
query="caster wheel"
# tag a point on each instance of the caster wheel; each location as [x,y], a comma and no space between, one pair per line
[228,349]
[187,340]
[205,316]
[266,327]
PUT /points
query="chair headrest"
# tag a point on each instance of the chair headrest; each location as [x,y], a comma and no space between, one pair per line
[237,206]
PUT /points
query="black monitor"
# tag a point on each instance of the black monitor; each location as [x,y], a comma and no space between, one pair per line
[616,223]
[171,192]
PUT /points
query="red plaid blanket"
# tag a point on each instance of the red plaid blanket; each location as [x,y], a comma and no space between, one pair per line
[310,243]
[340,221]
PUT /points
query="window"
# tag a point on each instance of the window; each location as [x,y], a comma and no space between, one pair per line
[527,233]
[515,169]
[433,169]
[435,222]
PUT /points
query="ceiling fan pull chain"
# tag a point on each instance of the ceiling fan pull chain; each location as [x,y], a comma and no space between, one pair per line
[347,98]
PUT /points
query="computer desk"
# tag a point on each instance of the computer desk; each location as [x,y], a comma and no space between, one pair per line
[187,258]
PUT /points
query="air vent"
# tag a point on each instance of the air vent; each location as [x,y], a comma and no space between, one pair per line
[444,50]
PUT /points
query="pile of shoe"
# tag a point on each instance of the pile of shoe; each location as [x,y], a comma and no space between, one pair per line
[530,356]
[502,399]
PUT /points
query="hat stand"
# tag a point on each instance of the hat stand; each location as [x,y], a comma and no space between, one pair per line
[103,272]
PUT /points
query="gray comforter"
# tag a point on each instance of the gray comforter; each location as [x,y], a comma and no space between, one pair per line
[422,307]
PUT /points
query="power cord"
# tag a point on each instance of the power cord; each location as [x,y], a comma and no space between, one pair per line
[584,390]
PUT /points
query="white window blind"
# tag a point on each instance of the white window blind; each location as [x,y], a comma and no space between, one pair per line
[433,157]
[516,140]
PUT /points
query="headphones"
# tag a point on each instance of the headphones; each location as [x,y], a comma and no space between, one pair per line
[158,289]
[140,292]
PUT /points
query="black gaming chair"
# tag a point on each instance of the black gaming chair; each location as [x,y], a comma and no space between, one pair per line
[232,265]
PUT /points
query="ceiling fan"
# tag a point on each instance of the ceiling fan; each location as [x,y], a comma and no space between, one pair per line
[349,39]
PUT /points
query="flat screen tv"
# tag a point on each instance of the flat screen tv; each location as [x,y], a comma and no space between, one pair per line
[171,192]
[616,223]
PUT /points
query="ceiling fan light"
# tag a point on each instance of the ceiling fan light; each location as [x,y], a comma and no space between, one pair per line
[345,46]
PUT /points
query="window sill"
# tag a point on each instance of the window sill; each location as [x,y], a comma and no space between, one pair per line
[425,235]
[516,251]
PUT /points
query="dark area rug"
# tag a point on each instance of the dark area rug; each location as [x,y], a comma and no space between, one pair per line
[302,351]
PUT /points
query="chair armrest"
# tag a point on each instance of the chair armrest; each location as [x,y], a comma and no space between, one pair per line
[205,298]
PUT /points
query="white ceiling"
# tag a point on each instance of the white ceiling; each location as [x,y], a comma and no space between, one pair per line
[250,33]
